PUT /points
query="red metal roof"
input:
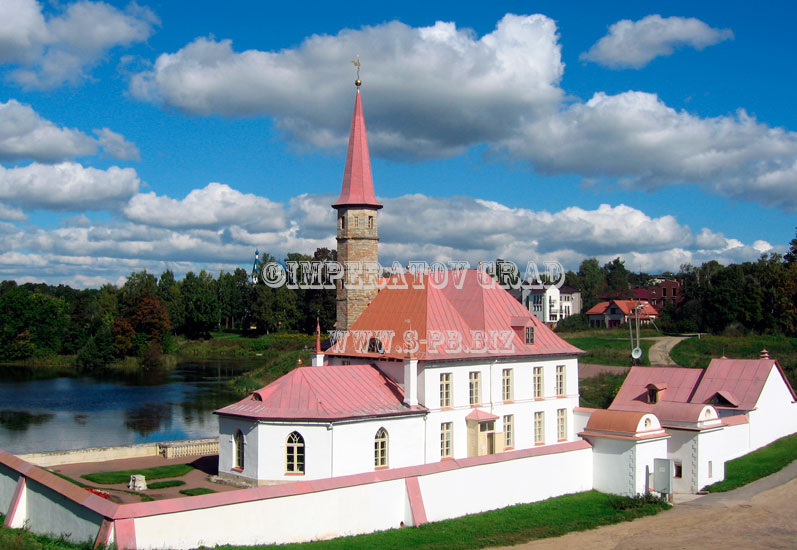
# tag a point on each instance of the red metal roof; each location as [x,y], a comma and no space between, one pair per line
[480,416]
[358,185]
[325,393]
[738,381]
[633,394]
[434,308]
[626,306]
[742,378]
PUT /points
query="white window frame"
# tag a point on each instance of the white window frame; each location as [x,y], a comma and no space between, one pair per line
[381,442]
[509,431]
[539,428]
[475,387]
[294,451]
[507,386]
[561,424]
[561,380]
[445,389]
[446,439]
[538,375]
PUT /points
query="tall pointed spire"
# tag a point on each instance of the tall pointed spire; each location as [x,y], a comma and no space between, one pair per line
[358,186]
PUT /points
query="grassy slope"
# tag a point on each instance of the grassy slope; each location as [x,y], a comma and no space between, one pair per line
[598,392]
[761,463]
[698,353]
[609,346]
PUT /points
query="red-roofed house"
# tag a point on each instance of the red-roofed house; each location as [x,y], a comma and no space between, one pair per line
[729,409]
[434,366]
[614,313]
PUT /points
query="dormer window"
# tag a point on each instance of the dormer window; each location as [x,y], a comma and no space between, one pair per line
[375,346]
[256,397]
[529,335]
[653,396]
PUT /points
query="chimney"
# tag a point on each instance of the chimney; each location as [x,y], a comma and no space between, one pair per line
[764,354]
[410,381]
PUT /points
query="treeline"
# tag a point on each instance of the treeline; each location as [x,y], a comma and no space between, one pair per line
[141,319]
[756,296]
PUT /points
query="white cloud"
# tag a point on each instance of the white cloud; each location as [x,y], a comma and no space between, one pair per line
[26,135]
[442,229]
[11,213]
[634,44]
[60,49]
[116,146]
[67,186]
[435,91]
[638,139]
[215,205]
[431,91]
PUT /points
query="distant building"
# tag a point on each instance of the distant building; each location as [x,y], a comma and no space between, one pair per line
[550,304]
[614,313]
[667,291]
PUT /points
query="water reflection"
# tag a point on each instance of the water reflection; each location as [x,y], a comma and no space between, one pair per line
[74,413]
[19,421]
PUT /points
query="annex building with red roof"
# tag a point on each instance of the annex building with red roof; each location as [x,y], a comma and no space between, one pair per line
[614,313]
[712,415]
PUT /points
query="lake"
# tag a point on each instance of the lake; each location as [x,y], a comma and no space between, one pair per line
[76,413]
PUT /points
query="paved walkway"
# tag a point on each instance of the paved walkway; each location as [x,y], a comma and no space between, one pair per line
[759,515]
[660,351]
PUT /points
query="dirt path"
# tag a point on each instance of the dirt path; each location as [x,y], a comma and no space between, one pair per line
[660,351]
[760,515]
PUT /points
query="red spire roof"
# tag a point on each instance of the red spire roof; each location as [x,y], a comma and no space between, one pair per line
[358,186]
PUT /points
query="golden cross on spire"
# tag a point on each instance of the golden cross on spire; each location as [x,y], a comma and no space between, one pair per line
[357,64]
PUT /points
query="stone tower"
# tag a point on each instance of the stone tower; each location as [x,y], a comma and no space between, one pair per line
[357,228]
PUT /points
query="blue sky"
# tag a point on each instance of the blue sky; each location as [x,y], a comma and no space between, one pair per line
[157,135]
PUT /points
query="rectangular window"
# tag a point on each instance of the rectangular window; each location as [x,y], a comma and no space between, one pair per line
[710,469]
[370,222]
[561,424]
[506,385]
[529,335]
[539,428]
[355,222]
[538,383]
[446,436]
[509,431]
[560,380]
[679,470]
[445,389]
[475,388]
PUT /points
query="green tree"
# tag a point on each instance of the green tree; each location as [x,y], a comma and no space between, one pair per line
[201,304]
[791,255]
[593,279]
[617,278]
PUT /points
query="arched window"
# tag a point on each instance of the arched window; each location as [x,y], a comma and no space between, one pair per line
[380,448]
[648,423]
[294,455]
[238,450]
[375,346]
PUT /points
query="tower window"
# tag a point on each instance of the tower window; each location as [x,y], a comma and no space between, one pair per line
[355,222]
[370,222]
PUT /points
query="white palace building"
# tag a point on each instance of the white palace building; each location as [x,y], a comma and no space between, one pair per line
[445,397]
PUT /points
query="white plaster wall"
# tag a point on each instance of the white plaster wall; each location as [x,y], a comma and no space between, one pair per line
[613,465]
[8,484]
[489,486]
[319,515]
[646,451]
[353,444]
[737,440]
[775,415]
[679,448]
[710,448]
[227,427]
[52,513]
[272,448]
[580,419]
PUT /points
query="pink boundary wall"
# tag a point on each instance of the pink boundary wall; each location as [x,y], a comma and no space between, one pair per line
[121,517]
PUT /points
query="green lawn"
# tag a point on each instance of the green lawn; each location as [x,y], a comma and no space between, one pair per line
[761,463]
[598,392]
[165,484]
[123,476]
[197,491]
[698,353]
[608,349]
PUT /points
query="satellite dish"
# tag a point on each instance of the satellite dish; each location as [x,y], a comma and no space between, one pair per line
[636,353]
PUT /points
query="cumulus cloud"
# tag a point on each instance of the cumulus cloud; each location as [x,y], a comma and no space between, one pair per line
[12,214]
[443,229]
[638,139]
[213,206]
[67,186]
[432,91]
[51,51]
[116,146]
[26,135]
[634,44]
